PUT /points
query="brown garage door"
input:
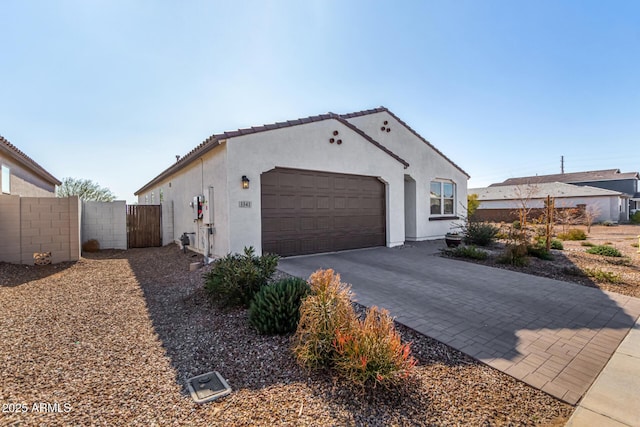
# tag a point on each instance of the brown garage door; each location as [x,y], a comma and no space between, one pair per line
[306,212]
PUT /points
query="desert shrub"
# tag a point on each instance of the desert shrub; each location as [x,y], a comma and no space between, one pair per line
[608,223]
[588,244]
[326,311]
[480,233]
[539,252]
[372,352]
[635,218]
[91,245]
[235,279]
[516,225]
[573,234]
[468,252]
[275,309]
[604,250]
[573,271]
[555,243]
[514,254]
[635,244]
[602,276]
[501,235]
[625,260]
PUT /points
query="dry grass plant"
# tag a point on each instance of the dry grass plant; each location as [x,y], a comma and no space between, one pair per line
[323,313]
[372,353]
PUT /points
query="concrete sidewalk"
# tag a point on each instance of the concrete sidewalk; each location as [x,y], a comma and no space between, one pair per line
[553,335]
[613,398]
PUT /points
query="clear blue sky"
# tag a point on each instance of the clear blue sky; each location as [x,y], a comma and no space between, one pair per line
[113,90]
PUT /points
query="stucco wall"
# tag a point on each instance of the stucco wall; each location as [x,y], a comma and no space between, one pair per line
[425,166]
[106,222]
[24,182]
[306,147]
[37,225]
[179,189]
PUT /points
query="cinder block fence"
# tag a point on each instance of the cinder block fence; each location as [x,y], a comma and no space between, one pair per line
[30,226]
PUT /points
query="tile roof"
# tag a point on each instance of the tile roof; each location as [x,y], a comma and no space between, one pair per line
[599,175]
[27,161]
[215,140]
[539,191]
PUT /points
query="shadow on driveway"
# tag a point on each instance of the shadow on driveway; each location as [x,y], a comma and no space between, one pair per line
[556,336]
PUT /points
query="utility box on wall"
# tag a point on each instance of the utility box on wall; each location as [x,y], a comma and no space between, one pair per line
[197,207]
[208,217]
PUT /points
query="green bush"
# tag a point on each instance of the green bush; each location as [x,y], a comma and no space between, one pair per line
[539,252]
[372,352]
[275,309]
[555,243]
[468,252]
[635,218]
[514,254]
[604,250]
[480,233]
[573,234]
[588,244]
[326,311]
[236,278]
[602,276]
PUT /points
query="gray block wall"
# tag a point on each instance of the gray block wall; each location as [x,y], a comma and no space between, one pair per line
[105,222]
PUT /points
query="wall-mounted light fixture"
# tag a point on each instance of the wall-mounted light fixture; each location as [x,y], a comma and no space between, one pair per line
[245,182]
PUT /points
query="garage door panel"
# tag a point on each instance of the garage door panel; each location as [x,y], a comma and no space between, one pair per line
[309,212]
[323,202]
[307,202]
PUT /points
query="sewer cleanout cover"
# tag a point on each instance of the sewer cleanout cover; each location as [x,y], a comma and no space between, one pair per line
[208,387]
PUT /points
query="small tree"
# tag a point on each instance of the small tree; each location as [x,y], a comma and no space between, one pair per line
[591,213]
[567,216]
[85,189]
[472,205]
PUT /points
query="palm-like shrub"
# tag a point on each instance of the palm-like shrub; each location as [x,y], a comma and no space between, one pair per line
[275,309]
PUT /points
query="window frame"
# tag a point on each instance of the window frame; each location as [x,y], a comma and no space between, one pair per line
[442,198]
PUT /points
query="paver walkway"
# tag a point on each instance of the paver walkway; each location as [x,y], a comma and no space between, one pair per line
[553,335]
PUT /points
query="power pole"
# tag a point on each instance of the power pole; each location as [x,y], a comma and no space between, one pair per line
[562,164]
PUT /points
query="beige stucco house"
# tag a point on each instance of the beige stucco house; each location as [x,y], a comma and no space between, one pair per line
[318,184]
[20,175]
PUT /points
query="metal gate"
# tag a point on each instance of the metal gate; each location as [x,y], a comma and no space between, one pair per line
[144,226]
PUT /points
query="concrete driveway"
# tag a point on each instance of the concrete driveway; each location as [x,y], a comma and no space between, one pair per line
[553,335]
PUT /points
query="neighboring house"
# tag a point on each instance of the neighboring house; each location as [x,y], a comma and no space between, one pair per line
[318,184]
[20,175]
[500,203]
[609,179]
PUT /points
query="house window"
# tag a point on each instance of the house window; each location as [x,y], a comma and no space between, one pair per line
[161,196]
[146,199]
[442,197]
[6,179]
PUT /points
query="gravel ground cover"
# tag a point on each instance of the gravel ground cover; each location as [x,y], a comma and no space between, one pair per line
[112,338]
[568,264]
